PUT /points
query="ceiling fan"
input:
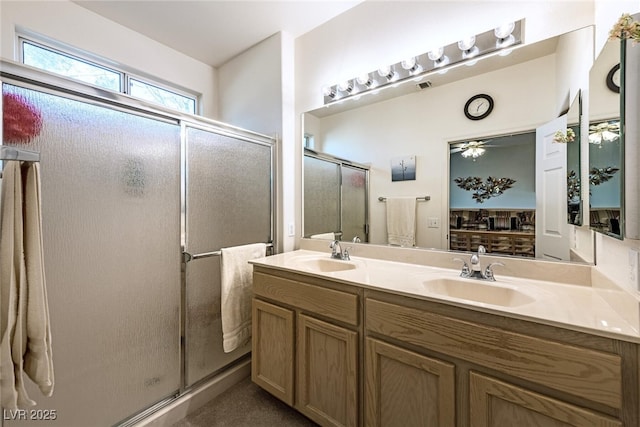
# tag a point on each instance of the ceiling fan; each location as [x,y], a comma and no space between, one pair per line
[473,149]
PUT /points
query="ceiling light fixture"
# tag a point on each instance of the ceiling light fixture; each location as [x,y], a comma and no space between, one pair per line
[473,149]
[604,132]
[464,51]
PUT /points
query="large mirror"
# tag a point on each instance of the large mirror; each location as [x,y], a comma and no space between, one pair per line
[527,89]
[606,143]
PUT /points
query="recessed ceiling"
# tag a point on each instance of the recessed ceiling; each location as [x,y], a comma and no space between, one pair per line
[213,32]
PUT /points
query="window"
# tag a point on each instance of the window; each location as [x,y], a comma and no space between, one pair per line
[58,61]
[161,96]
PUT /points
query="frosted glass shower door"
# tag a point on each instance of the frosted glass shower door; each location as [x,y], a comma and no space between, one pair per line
[354,204]
[321,196]
[111,224]
[228,203]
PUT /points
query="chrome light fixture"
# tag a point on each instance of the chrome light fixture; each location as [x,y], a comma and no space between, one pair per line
[465,51]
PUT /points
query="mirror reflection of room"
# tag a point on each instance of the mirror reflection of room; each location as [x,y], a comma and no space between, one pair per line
[492,197]
[385,128]
[605,143]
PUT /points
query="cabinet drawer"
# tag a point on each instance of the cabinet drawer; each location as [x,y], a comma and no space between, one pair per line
[337,305]
[582,372]
[495,403]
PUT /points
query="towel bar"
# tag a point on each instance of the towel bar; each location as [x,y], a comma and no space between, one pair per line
[420,199]
[189,257]
[13,153]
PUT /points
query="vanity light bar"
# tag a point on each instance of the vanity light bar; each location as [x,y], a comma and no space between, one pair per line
[466,50]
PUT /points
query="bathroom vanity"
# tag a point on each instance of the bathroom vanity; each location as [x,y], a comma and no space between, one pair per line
[369,342]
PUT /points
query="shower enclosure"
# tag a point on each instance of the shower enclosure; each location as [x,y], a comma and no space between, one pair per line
[136,203]
[336,196]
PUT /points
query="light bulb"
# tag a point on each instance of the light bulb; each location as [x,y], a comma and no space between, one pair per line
[444,60]
[467,43]
[346,86]
[411,65]
[329,91]
[387,72]
[505,30]
[435,54]
[408,64]
[364,80]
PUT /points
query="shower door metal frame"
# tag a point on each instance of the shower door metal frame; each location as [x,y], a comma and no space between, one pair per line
[248,137]
[29,78]
[308,152]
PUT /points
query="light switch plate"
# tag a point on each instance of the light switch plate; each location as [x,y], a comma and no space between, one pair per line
[433,222]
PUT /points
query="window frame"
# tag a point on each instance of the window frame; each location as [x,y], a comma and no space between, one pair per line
[126,74]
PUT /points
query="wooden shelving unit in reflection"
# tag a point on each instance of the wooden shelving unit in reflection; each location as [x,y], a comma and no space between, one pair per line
[519,243]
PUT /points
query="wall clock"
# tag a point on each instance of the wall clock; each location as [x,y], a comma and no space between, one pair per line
[613,79]
[478,107]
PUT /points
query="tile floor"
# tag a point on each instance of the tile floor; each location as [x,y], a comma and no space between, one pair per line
[245,405]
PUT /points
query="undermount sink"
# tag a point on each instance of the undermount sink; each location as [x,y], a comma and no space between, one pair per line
[478,291]
[323,265]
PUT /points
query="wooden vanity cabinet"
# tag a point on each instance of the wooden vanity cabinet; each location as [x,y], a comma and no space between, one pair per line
[495,403]
[404,388]
[305,346]
[348,356]
[508,372]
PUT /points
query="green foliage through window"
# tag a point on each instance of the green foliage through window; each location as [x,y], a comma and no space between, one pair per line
[62,63]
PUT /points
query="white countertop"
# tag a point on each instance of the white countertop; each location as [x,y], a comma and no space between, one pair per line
[579,308]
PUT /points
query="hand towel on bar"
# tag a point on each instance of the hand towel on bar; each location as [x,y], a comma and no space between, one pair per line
[328,236]
[24,313]
[237,291]
[38,361]
[401,221]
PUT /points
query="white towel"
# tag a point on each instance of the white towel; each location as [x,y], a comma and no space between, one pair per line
[25,344]
[401,221]
[328,236]
[237,291]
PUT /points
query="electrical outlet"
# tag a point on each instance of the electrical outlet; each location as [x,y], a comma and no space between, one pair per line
[433,222]
[291,229]
[634,269]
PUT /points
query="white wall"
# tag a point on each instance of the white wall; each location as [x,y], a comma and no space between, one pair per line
[256,92]
[73,25]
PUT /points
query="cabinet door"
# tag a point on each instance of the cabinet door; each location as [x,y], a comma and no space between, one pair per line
[272,349]
[497,404]
[327,372]
[406,389]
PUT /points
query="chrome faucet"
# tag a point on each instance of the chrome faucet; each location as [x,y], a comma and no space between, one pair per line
[475,271]
[337,252]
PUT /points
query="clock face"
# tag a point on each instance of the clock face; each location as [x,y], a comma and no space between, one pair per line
[613,79]
[478,107]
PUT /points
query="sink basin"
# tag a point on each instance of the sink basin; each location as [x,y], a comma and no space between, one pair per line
[478,291]
[323,265]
